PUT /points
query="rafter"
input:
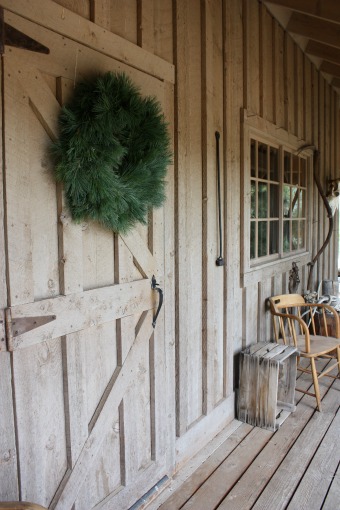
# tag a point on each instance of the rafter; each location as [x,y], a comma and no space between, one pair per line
[314,28]
[323,51]
[328,67]
[326,9]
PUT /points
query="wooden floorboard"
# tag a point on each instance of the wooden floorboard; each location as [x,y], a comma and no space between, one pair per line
[318,478]
[333,496]
[190,486]
[254,481]
[281,487]
[297,467]
[224,478]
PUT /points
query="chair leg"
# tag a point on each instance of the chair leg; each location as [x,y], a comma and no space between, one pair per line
[316,384]
[338,356]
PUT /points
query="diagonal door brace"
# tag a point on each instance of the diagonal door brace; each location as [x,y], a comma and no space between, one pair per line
[10,36]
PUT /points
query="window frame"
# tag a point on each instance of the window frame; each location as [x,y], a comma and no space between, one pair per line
[268,219]
[253,270]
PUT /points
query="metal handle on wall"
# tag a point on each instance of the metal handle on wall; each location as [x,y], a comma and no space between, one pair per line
[219,260]
[155,286]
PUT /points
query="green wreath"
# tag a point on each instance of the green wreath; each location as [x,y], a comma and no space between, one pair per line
[112,153]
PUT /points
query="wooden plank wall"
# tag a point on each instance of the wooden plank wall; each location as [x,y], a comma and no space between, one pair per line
[228,55]
[8,481]
[282,86]
[189,213]
[233,102]
[200,283]
[191,34]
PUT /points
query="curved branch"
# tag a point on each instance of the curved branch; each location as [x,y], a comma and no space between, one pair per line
[329,214]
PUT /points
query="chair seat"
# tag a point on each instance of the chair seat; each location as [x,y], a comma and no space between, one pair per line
[319,345]
[287,310]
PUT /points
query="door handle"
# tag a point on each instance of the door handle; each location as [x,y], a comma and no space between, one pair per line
[155,286]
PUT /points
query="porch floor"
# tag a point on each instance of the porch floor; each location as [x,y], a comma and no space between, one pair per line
[296,467]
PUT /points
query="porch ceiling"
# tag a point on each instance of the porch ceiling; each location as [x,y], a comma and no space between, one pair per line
[315,26]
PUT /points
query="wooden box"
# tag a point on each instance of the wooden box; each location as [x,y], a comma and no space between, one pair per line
[266,384]
[320,328]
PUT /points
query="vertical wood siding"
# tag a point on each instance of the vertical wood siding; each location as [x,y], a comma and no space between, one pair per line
[192,35]
[8,481]
[229,55]
[280,117]
[305,105]
[189,213]
[212,276]
[233,102]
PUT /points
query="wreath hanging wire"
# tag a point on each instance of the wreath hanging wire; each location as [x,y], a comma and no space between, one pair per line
[112,153]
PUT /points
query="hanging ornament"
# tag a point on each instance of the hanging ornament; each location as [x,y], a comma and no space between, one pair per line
[333,198]
[112,153]
[294,279]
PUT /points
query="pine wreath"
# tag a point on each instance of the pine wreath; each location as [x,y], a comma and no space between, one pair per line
[112,152]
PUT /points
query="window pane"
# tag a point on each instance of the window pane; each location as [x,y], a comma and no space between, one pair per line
[286,235]
[278,201]
[295,201]
[303,172]
[274,164]
[286,201]
[252,239]
[262,161]
[302,204]
[295,235]
[262,200]
[286,167]
[274,200]
[262,238]
[253,158]
[302,234]
[295,170]
[253,199]
[273,237]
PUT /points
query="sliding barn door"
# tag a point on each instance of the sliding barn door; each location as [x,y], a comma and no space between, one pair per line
[85,368]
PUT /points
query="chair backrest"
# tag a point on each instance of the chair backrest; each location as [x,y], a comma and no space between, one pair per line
[283,301]
[288,329]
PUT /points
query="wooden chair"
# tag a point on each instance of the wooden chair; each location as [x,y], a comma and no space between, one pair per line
[293,320]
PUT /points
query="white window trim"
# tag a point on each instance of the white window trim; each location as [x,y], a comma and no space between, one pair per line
[258,128]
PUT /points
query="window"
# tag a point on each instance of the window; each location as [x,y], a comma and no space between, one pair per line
[294,203]
[278,208]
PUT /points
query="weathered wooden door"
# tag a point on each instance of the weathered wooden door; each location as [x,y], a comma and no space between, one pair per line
[83,373]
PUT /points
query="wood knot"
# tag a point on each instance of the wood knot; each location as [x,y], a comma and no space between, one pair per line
[64,219]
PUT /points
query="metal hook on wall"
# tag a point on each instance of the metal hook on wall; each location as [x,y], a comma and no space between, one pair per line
[155,286]
[219,260]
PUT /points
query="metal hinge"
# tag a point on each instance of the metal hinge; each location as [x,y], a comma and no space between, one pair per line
[3,346]
[10,36]
[12,327]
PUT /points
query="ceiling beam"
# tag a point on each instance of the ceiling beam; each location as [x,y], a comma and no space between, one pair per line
[314,28]
[328,67]
[326,9]
[323,51]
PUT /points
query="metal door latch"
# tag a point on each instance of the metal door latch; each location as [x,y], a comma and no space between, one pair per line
[155,286]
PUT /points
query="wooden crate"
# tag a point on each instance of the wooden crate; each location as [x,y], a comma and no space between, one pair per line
[266,384]
[320,328]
